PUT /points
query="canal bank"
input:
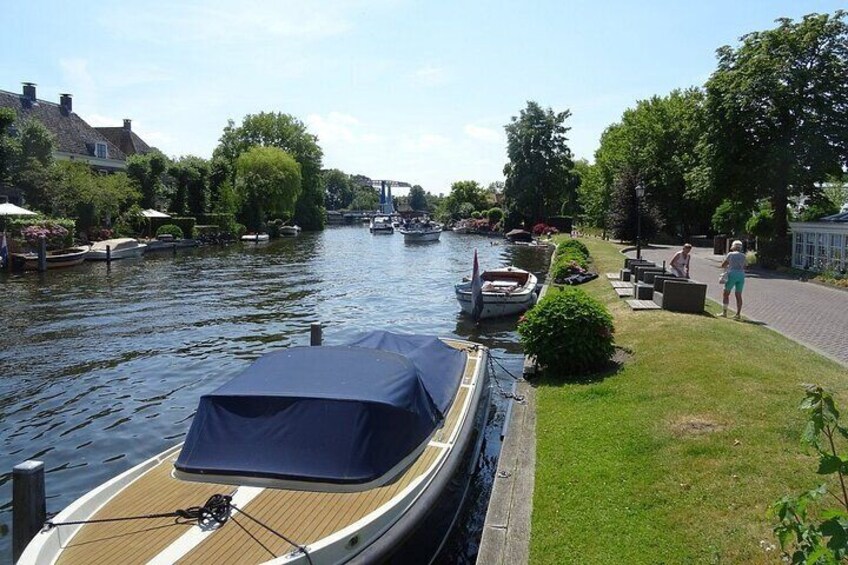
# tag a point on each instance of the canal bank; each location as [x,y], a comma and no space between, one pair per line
[104,366]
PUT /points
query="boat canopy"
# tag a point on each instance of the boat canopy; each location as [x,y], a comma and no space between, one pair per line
[334,414]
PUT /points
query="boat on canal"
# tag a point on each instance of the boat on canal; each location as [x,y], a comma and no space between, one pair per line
[415,232]
[506,292]
[290,231]
[118,248]
[255,237]
[381,224]
[57,259]
[357,453]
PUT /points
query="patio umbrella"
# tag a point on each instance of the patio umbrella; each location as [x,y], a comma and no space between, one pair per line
[151,213]
[9,209]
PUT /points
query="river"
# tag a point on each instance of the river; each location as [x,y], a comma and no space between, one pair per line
[101,367]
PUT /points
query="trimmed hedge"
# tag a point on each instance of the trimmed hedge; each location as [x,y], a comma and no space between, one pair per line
[171,229]
[569,333]
[186,224]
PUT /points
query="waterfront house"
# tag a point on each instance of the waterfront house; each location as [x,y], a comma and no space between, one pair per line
[821,245]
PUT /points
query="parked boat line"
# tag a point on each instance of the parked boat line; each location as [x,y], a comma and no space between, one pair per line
[113,249]
[54,259]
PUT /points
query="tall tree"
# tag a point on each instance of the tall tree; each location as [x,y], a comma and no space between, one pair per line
[339,189]
[191,175]
[268,181]
[146,171]
[538,175]
[778,113]
[33,173]
[417,198]
[271,129]
[10,147]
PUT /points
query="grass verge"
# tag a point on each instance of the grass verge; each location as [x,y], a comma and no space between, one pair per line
[675,457]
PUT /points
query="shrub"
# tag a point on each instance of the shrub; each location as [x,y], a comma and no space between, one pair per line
[185,223]
[572,245]
[563,269]
[56,236]
[569,333]
[494,215]
[539,228]
[170,229]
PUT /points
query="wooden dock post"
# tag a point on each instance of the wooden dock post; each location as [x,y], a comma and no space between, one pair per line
[29,505]
[42,254]
[108,254]
[315,334]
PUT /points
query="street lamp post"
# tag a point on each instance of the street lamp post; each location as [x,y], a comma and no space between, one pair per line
[640,193]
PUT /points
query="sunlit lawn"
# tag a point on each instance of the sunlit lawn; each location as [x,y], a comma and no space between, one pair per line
[676,457]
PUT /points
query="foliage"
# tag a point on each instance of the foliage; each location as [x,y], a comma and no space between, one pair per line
[365,198]
[776,112]
[572,245]
[10,148]
[57,233]
[629,215]
[569,333]
[494,215]
[223,223]
[417,198]
[339,189]
[803,539]
[475,215]
[170,229]
[465,197]
[817,210]
[270,129]
[268,183]
[544,229]
[571,256]
[761,224]
[146,171]
[730,217]
[538,175]
[36,142]
[185,224]
[191,177]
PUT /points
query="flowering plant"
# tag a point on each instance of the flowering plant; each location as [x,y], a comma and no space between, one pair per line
[53,233]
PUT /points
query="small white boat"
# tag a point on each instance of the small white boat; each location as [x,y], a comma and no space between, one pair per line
[55,259]
[289,230]
[506,292]
[381,224]
[421,231]
[119,248]
[255,237]
[312,455]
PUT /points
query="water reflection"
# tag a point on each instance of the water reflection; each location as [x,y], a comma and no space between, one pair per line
[102,366]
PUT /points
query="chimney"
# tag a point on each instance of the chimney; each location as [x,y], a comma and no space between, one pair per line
[65,103]
[127,124]
[29,91]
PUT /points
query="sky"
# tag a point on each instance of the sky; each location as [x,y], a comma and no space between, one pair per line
[409,90]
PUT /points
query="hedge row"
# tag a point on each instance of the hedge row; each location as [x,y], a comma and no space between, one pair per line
[571,257]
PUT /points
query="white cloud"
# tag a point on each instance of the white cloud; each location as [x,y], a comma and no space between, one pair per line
[483,134]
[335,127]
[425,142]
[430,76]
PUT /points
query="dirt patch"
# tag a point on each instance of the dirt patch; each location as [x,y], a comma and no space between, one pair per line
[695,426]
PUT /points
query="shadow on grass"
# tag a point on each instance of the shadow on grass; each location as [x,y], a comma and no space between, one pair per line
[613,367]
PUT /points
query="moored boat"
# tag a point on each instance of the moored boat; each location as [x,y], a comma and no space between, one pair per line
[57,259]
[505,292]
[255,237]
[326,454]
[118,248]
[289,230]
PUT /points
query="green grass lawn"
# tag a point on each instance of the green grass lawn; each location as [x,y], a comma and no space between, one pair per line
[675,457]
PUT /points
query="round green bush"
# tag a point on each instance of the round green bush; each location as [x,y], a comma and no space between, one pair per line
[572,245]
[171,229]
[569,333]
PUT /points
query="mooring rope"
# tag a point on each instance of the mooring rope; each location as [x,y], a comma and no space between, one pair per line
[215,513]
[503,393]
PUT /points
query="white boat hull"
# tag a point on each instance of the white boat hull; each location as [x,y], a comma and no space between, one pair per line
[114,254]
[497,304]
[290,230]
[256,238]
[415,236]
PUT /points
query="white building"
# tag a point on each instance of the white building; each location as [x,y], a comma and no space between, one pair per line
[822,245]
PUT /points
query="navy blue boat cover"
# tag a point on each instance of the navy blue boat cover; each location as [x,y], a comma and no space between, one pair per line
[337,414]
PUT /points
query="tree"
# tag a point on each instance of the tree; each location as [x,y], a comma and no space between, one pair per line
[778,113]
[268,181]
[191,175]
[92,198]
[365,198]
[538,175]
[339,189]
[146,171]
[271,129]
[10,148]
[33,173]
[628,217]
[417,198]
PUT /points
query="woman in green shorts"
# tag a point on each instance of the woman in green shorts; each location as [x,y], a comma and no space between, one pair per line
[735,264]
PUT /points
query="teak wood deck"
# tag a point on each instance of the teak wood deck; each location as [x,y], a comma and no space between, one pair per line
[304,517]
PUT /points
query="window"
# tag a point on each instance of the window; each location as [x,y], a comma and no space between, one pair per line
[100,151]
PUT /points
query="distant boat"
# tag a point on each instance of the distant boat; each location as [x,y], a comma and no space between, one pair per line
[289,230]
[119,248]
[516,236]
[506,292]
[255,237]
[353,453]
[419,232]
[57,259]
[381,224]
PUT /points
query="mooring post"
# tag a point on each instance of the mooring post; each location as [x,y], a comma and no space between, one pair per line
[108,254]
[174,248]
[315,334]
[42,254]
[29,505]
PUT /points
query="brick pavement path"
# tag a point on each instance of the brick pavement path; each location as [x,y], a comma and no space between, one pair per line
[811,314]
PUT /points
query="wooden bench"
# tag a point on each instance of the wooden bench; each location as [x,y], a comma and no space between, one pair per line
[681,296]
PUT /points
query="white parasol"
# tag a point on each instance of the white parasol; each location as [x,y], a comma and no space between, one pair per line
[9,209]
